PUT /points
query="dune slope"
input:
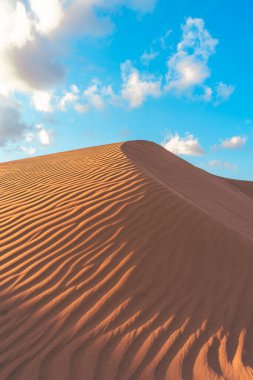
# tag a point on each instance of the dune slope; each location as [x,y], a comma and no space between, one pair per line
[124,262]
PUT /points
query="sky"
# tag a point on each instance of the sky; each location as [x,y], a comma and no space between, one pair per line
[79,73]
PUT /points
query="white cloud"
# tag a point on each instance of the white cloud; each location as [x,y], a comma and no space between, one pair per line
[31,44]
[223,91]
[49,14]
[138,86]
[188,67]
[97,101]
[31,33]
[15,25]
[44,135]
[36,140]
[68,98]
[94,96]
[185,72]
[187,145]
[42,101]
[14,132]
[221,165]
[27,59]
[235,142]
[97,96]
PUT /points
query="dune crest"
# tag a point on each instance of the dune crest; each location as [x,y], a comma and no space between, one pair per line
[124,262]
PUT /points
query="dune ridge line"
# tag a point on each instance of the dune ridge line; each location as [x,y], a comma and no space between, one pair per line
[124,262]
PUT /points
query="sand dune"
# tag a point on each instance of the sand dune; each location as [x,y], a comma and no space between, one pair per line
[124,262]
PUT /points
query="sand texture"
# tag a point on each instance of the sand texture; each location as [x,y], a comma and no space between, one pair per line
[124,262]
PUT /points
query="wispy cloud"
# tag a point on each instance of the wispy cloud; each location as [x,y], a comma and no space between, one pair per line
[146,58]
[187,145]
[163,40]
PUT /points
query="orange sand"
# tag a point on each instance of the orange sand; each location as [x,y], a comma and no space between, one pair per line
[124,262]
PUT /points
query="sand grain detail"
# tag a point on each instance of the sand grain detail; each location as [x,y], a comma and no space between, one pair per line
[124,262]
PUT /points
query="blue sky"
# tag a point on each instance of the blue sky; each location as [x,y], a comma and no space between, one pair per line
[81,73]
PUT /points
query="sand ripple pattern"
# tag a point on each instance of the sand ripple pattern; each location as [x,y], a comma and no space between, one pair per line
[123,262]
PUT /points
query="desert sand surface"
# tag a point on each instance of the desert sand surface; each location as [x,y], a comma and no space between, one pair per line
[124,262]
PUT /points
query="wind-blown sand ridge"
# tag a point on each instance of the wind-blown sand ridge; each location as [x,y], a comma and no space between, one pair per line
[124,262]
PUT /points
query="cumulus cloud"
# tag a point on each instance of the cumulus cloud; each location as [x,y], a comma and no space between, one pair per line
[46,20]
[94,96]
[34,67]
[235,142]
[67,99]
[14,132]
[27,57]
[44,135]
[15,26]
[188,67]
[12,127]
[138,86]
[31,33]
[36,140]
[221,165]
[187,145]
[42,101]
